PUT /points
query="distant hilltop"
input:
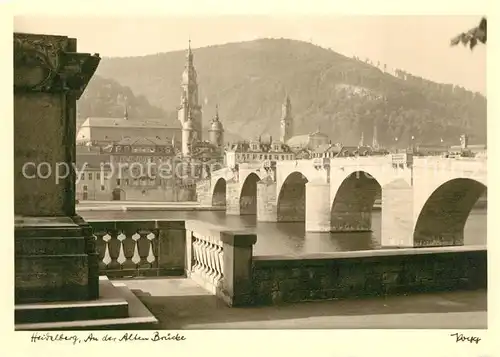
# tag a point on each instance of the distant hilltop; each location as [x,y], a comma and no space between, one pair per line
[248,80]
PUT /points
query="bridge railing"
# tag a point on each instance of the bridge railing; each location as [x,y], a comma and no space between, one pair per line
[220,260]
[135,248]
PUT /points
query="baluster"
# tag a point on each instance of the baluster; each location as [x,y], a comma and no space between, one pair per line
[101,248]
[206,254]
[201,247]
[197,257]
[121,256]
[114,250]
[143,248]
[213,267]
[219,260]
[128,250]
[136,258]
[107,257]
[151,256]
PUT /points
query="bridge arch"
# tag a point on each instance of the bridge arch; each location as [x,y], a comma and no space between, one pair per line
[248,195]
[353,202]
[219,193]
[292,198]
[442,219]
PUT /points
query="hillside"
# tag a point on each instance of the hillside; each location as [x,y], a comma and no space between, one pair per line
[343,96]
[106,98]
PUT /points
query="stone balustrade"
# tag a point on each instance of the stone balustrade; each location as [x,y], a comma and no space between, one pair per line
[140,247]
[220,261]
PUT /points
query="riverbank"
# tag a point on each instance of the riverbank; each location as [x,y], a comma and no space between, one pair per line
[144,207]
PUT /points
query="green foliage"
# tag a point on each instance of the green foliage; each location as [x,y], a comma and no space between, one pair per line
[343,96]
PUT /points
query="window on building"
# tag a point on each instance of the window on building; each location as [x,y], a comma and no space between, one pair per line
[260,157]
[82,176]
[126,182]
[118,182]
[103,188]
[265,157]
[98,176]
[85,188]
[90,175]
[282,157]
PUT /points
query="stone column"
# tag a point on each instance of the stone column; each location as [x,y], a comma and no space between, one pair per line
[237,282]
[318,210]
[267,209]
[397,215]
[55,257]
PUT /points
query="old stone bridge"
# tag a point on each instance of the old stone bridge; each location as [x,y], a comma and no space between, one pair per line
[425,200]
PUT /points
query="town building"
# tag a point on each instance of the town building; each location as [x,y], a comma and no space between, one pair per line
[127,146]
[256,151]
[93,177]
[104,131]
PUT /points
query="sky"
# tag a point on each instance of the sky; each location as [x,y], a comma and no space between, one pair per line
[416,44]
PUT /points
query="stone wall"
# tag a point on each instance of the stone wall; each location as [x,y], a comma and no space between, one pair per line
[159,194]
[339,275]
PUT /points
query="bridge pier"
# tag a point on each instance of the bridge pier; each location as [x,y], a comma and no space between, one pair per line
[203,193]
[267,208]
[318,217]
[397,215]
[233,198]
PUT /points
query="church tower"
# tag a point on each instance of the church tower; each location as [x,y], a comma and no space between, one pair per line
[189,98]
[188,134]
[286,131]
[216,130]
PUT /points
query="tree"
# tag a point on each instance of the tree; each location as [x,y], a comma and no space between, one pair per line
[472,36]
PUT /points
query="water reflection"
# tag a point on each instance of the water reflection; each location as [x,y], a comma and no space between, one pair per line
[291,238]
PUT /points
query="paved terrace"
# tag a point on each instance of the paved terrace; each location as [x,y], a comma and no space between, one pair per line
[181,304]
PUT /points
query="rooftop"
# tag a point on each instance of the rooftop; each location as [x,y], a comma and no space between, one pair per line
[97,122]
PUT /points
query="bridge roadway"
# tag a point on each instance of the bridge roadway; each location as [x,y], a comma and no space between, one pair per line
[182,304]
[425,201]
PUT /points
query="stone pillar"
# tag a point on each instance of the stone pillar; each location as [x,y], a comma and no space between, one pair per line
[233,198]
[318,210]
[237,282]
[397,215]
[267,209]
[203,190]
[55,257]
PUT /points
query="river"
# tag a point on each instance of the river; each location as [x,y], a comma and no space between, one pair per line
[291,238]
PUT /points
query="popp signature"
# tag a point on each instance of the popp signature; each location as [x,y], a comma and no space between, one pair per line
[459,337]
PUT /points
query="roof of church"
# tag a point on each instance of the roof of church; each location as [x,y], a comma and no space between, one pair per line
[298,140]
[96,122]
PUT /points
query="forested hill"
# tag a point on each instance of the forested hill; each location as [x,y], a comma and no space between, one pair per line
[107,98]
[340,95]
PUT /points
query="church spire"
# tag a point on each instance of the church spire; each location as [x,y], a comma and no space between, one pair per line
[286,125]
[362,140]
[189,54]
[216,117]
